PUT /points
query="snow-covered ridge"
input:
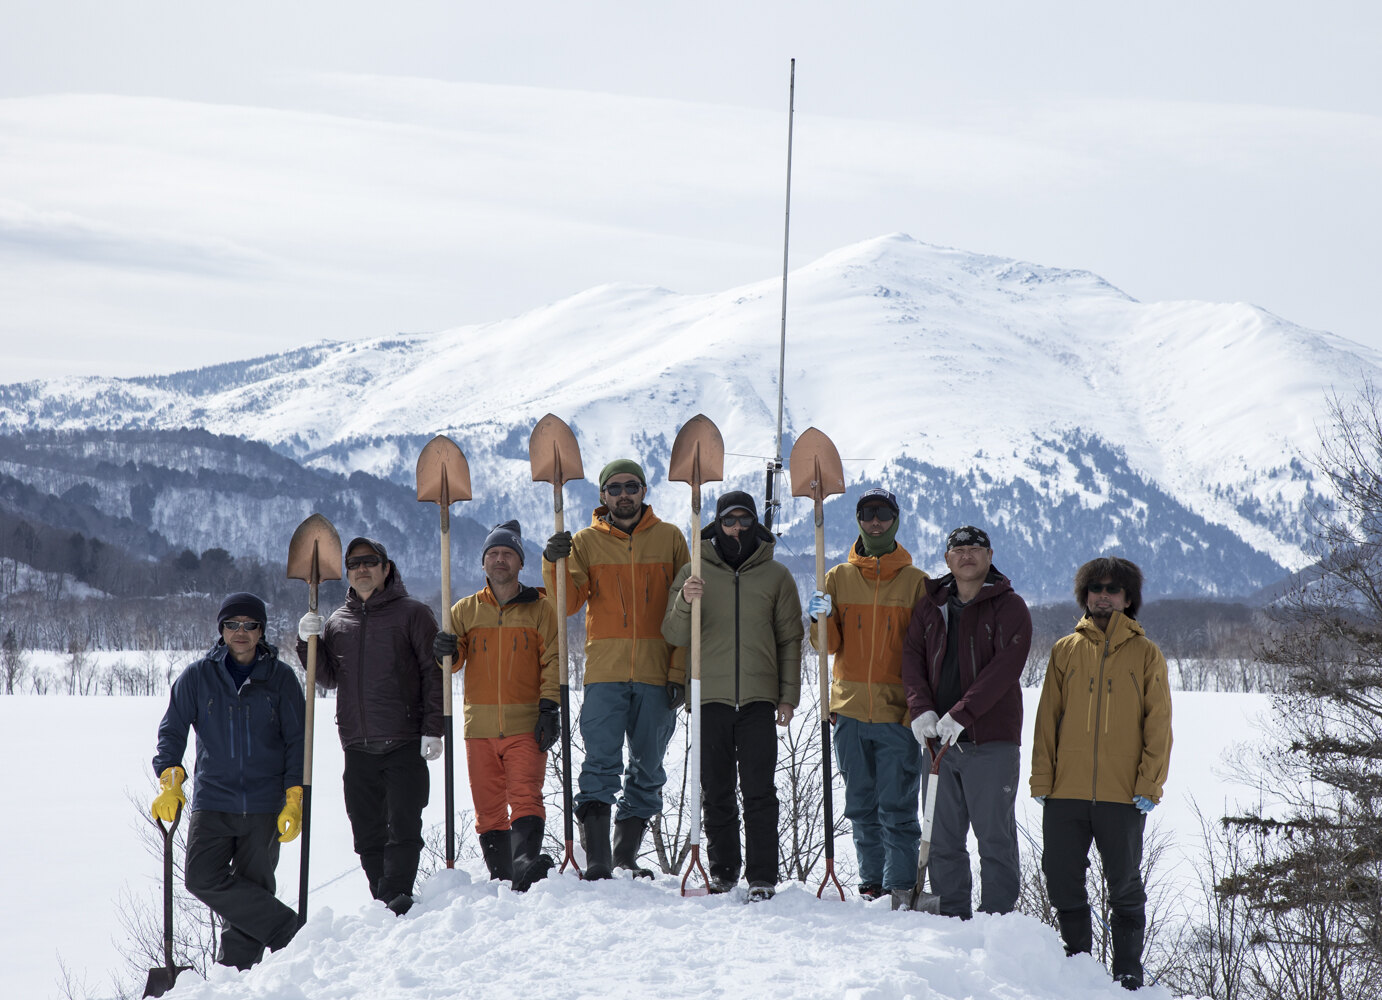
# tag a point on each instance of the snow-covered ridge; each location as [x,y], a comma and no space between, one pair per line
[906,354]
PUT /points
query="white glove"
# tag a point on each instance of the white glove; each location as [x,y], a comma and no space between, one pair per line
[309,625]
[431,747]
[819,604]
[924,727]
[948,730]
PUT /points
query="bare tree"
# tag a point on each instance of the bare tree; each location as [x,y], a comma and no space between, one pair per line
[13,662]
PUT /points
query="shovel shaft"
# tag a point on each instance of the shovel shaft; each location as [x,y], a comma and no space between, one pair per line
[447,682]
[309,723]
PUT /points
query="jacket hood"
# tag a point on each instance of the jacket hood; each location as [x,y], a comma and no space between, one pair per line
[995,583]
[1121,628]
[525,595]
[392,590]
[598,521]
[883,567]
[764,552]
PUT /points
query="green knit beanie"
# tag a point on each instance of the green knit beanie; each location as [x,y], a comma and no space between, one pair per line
[625,465]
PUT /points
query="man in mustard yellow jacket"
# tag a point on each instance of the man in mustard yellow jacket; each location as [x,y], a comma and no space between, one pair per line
[621,568]
[1099,759]
[505,639]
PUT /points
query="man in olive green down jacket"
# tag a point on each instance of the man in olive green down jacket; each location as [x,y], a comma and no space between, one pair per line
[1099,760]
[750,678]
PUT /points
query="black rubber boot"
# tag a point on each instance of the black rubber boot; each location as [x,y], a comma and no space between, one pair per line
[1076,931]
[1126,936]
[594,818]
[498,854]
[628,841]
[529,863]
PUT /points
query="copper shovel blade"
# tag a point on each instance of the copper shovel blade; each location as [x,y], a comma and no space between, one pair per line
[442,473]
[553,453]
[815,466]
[698,453]
[314,546]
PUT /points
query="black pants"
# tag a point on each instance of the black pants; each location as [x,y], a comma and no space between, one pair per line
[1068,827]
[745,740]
[231,859]
[384,797]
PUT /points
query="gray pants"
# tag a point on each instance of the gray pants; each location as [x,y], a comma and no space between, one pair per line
[978,787]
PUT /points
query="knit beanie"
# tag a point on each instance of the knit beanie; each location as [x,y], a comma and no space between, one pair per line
[625,465]
[507,535]
[242,604]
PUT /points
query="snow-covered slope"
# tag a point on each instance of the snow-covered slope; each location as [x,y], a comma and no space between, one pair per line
[999,390]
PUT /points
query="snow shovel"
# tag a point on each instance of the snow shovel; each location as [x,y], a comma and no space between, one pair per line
[161,978]
[443,477]
[556,458]
[818,473]
[314,555]
[698,456]
[928,902]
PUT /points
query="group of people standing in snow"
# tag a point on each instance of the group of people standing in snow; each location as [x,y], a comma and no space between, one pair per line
[924,669]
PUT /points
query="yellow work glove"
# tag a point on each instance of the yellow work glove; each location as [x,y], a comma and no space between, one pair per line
[290,819]
[165,806]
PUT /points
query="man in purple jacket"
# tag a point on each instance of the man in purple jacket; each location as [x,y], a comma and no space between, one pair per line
[962,666]
[377,654]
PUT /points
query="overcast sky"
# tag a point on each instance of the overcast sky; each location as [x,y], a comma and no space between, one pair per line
[182,184]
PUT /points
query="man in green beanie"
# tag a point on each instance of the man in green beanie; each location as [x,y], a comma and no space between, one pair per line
[620,568]
[867,601]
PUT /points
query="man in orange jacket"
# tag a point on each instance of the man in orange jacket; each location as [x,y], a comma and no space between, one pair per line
[505,638]
[621,568]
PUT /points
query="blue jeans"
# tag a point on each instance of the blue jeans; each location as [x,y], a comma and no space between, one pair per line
[611,712]
[878,761]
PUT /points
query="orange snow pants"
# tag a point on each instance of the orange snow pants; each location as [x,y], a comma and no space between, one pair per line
[506,776]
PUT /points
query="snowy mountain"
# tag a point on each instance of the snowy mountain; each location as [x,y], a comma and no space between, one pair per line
[1044,404]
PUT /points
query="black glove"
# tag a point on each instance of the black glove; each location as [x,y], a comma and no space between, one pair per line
[548,726]
[558,546]
[444,645]
[676,695]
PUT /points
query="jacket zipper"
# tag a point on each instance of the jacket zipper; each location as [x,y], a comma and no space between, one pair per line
[360,682]
[873,629]
[1094,771]
[736,640]
[499,683]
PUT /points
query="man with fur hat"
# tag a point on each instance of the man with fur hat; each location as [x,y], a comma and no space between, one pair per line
[962,664]
[505,638]
[867,601]
[247,708]
[620,568]
[1097,782]
[750,678]
[377,654]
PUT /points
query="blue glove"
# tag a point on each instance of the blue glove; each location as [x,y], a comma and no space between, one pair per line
[818,605]
[1143,803]
[1040,798]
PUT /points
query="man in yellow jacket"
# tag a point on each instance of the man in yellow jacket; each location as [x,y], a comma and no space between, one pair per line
[505,638]
[621,568]
[1099,759]
[867,601]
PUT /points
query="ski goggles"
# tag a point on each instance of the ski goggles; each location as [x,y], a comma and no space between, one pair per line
[876,512]
[355,562]
[617,489]
[245,626]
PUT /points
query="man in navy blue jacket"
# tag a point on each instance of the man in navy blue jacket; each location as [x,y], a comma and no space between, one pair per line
[247,708]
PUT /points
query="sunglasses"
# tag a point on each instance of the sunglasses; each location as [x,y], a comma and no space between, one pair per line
[238,626]
[741,520]
[1113,589]
[615,489]
[355,562]
[880,513]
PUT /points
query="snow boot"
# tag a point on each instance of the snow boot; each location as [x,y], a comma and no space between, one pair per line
[495,846]
[721,884]
[401,903]
[529,863]
[1127,951]
[761,891]
[594,818]
[869,891]
[1076,930]
[628,841]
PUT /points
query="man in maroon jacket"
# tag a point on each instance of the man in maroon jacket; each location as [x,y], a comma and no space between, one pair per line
[962,666]
[377,654]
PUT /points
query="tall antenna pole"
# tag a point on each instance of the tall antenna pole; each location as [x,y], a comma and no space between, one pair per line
[775,466]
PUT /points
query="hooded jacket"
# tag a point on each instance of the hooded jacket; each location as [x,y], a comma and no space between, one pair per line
[750,626]
[377,654]
[1103,725]
[623,580]
[249,741]
[509,654]
[872,599]
[995,636]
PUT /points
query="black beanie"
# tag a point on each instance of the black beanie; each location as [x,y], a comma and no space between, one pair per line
[509,535]
[242,604]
